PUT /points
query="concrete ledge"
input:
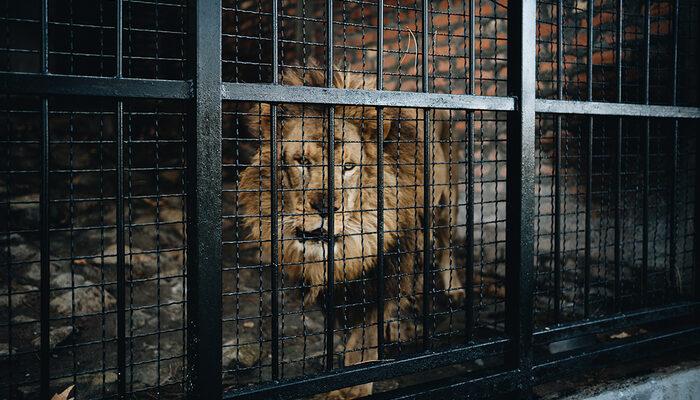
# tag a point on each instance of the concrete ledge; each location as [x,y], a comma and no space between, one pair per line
[673,384]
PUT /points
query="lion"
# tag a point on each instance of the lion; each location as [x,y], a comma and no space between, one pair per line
[304,207]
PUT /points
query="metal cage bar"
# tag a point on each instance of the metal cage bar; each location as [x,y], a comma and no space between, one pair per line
[645,156]
[370,98]
[629,350]
[121,265]
[576,107]
[110,87]
[696,226]
[520,182]
[45,279]
[380,184]
[427,198]
[618,166]
[615,322]
[469,154]
[204,208]
[674,148]
[330,204]
[205,93]
[589,162]
[274,233]
[557,164]
[368,372]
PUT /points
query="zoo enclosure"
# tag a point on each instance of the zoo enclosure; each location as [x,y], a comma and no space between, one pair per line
[198,96]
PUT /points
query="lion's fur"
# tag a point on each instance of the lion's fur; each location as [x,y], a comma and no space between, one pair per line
[301,135]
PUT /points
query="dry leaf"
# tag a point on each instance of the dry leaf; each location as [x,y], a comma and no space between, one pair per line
[64,395]
[621,335]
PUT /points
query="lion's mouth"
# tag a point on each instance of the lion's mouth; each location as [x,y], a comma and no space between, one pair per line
[318,235]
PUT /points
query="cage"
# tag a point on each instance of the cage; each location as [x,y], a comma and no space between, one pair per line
[297,198]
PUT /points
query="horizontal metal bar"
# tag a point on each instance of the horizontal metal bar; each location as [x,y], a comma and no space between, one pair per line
[644,347]
[38,84]
[617,109]
[369,372]
[317,95]
[614,322]
[474,386]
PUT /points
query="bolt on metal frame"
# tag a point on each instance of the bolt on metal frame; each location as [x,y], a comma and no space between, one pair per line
[206,91]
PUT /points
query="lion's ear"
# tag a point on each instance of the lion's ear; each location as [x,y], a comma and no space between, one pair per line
[353,80]
[257,119]
[390,116]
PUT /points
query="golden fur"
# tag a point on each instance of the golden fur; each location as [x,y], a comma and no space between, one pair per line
[302,153]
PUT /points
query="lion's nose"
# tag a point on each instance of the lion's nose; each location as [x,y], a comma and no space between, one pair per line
[320,205]
[314,235]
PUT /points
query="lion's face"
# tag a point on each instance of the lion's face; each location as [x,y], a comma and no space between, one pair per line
[302,184]
[303,180]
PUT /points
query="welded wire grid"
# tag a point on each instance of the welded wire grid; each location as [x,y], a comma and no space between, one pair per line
[83,36]
[81,195]
[562,52]
[20,177]
[20,43]
[615,249]
[614,218]
[246,274]
[83,250]
[247,47]
[155,39]
[155,186]
[470,144]
[559,267]
[562,49]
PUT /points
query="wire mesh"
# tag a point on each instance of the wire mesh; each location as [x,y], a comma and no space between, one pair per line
[82,235]
[631,221]
[563,45]
[247,57]
[667,281]
[398,254]
[20,177]
[303,168]
[247,48]
[20,41]
[82,38]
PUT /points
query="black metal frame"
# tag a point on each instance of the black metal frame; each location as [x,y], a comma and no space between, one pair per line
[206,91]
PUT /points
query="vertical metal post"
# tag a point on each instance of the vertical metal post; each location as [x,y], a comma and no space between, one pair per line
[380,183]
[589,167]
[45,278]
[696,227]
[645,156]
[274,239]
[618,166]
[469,282]
[330,275]
[520,188]
[204,207]
[674,152]
[427,207]
[696,216]
[121,272]
[121,268]
[557,164]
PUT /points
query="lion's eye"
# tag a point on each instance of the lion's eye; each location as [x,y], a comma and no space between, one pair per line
[349,166]
[303,161]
